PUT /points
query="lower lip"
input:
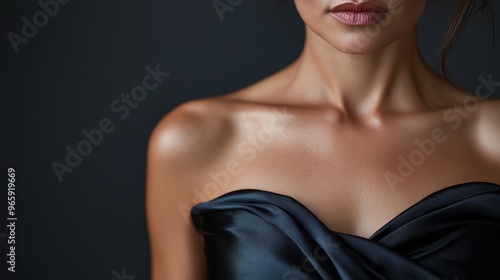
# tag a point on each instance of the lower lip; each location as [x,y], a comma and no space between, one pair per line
[352,18]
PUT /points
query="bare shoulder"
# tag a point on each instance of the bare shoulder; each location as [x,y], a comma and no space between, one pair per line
[488,130]
[199,128]
[191,132]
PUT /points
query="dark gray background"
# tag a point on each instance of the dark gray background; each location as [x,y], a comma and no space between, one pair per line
[66,77]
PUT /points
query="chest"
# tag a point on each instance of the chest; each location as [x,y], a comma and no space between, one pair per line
[354,182]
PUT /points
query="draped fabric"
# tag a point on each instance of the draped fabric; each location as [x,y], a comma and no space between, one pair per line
[453,234]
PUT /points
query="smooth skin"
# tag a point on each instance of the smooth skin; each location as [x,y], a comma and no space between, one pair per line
[330,130]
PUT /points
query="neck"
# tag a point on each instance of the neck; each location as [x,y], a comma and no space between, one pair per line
[363,85]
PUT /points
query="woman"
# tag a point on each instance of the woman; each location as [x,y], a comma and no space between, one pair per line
[356,161]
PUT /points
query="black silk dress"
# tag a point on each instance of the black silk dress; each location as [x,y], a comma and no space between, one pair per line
[453,234]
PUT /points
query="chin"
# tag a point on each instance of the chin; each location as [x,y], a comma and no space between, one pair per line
[361,38]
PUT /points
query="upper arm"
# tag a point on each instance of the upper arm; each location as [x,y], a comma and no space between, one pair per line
[176,248]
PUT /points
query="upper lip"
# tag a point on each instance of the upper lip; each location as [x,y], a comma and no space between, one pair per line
[358,7]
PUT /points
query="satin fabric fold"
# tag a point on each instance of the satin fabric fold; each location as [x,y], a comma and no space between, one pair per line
[451,234]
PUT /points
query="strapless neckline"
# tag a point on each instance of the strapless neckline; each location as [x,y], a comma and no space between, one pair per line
[254,234]
[393,223]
